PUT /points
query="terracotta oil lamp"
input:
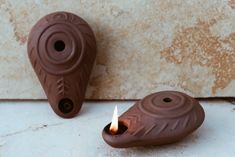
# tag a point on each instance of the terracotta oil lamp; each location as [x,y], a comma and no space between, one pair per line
[62,50]
[160,118]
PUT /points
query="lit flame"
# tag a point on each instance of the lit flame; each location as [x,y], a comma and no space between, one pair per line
[114,125]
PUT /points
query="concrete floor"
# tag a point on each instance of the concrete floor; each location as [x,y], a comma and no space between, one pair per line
[31,129]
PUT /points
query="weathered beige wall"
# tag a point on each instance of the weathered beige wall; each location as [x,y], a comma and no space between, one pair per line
[143,46]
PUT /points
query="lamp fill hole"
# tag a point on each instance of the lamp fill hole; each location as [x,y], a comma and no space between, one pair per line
[167,99]
[59,45]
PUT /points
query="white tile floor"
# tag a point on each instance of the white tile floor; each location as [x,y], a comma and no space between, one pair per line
[31,129]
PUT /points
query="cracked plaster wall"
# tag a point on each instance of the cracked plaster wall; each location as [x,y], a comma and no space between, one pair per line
[143,47]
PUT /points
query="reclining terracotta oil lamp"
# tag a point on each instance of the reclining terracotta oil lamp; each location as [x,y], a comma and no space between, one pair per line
[62,50]
[160,118]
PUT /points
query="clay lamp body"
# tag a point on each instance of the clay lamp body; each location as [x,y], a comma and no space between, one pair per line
[62,50]
[160,118]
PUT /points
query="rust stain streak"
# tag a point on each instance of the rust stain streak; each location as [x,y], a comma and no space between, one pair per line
[198,46]
[232,4]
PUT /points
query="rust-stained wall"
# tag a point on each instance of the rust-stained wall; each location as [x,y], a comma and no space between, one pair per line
[143,46]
